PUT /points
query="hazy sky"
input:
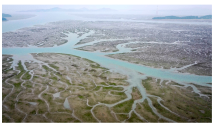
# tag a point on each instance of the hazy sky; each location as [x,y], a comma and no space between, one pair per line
[144,9]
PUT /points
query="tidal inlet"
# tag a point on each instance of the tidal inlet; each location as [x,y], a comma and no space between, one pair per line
[92,64]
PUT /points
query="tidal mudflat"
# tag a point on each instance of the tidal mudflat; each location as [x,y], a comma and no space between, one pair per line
[168,46]
[70,77]
[159,45]
[67,88]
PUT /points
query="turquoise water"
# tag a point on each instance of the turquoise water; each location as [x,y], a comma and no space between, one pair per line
[116,65]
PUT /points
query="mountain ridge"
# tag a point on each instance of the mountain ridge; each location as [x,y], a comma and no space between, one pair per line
[57,9]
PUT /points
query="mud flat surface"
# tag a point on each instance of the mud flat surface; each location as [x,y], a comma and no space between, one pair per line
[104,46]
[65,88]
[184,58]
[47,35]
[81,84]
[181,47]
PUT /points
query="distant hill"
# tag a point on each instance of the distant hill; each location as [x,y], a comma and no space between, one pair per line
[56,9]
[4,19]
[6,15]
[185,17]
[206,17]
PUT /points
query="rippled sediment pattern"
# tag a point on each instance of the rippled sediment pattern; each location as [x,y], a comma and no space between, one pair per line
[65,88]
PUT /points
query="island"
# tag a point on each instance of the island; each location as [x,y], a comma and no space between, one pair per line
[185,17]
[4,19]
[5,15]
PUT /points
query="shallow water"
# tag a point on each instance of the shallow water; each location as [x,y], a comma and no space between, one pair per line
[56,95]
[32,103]
[66,104]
